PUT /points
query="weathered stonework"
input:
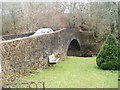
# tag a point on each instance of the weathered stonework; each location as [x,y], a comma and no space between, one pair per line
[31,53]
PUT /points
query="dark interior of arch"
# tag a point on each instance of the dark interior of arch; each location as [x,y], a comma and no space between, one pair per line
[74,48]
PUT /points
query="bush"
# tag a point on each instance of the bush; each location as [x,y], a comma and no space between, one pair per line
[118,56]
[107,57]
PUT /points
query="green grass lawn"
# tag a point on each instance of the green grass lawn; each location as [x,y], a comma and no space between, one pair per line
[76,72]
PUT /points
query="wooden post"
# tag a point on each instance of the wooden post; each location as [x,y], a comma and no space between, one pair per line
[102,85]
[43,86]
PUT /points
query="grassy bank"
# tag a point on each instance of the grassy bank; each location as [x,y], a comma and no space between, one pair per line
[76,72]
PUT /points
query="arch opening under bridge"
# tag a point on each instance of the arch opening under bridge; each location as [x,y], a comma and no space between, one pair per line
[74,48]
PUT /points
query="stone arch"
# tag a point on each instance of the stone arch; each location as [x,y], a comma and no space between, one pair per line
[74,47]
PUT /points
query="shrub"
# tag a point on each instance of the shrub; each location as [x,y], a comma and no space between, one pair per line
[118,56]
[107,57]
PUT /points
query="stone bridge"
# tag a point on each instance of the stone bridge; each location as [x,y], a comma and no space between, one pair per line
[31,53]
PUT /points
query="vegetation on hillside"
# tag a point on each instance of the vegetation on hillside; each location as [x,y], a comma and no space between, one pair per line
[22,17]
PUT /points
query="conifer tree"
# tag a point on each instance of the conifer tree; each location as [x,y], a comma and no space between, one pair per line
[107,57]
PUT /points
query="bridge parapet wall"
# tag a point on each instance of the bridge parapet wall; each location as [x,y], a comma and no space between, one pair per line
[31,53]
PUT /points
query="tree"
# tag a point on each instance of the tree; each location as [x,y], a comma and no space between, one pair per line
[107,57]
[118,56]
[90,15]
[119,19]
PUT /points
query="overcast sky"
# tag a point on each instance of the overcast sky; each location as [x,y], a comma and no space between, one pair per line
[59,0]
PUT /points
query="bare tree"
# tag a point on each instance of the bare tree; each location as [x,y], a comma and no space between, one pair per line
[119,19]
[23,17]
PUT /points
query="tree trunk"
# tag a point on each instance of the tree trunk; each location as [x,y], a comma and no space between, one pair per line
[118,19]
